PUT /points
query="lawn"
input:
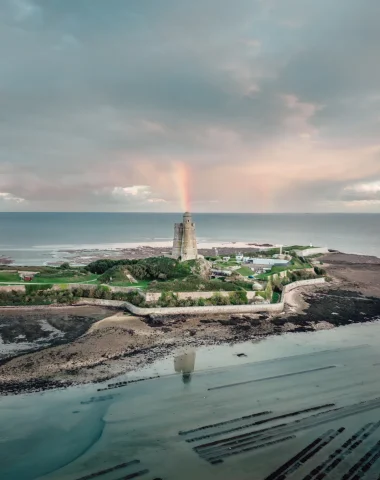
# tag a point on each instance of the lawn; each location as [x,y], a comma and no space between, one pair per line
[9,277]
[221,264]
[69,279]
[245,271]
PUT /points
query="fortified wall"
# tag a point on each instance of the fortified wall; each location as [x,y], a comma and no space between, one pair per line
[252,308]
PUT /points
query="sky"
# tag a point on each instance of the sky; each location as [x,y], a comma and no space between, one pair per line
[208,105]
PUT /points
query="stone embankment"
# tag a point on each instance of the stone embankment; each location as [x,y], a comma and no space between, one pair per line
[227,309]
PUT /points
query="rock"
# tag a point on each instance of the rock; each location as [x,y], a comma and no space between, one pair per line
[154,321]
[166,329]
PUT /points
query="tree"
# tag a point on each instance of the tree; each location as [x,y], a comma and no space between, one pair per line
[269,291]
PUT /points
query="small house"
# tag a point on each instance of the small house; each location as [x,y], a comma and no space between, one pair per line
[226,259]
[27,276]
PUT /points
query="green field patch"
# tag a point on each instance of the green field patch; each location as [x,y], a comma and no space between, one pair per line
[245,271]
[69,279]
[9,277]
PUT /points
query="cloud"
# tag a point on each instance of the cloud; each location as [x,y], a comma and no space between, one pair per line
[136,195]
[8,197]
[23,9]
[156,200]
[272,105]
[133,191]
[368,188]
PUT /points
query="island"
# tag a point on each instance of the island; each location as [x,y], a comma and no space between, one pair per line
[64,325]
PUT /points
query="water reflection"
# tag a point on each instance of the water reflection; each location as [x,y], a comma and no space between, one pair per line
[185,364]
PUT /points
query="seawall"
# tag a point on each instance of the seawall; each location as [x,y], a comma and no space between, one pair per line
[222,309]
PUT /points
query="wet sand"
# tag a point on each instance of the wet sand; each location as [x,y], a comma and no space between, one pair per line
[359,273]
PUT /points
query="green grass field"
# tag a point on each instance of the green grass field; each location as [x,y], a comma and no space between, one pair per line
[9,277]
[245,271]
[69,279]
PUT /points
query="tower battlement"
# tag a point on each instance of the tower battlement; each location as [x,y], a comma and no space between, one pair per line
[185,242]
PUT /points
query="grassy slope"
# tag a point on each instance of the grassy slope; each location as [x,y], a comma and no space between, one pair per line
[245,271]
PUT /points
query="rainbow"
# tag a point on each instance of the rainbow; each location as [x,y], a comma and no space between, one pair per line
[182,179]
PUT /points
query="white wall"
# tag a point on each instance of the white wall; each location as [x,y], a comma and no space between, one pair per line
[311,251]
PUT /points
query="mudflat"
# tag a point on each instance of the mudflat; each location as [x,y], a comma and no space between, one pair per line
[359,273]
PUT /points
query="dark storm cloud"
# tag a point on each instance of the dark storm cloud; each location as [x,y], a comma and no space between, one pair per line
[100,97]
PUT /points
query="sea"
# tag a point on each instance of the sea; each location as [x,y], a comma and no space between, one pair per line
[39,238]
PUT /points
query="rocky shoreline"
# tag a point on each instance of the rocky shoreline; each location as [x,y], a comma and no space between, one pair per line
[121,343]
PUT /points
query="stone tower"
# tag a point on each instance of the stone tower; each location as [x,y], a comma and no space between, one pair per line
[185,242]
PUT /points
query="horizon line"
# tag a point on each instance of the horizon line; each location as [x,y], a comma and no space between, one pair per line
[195,212]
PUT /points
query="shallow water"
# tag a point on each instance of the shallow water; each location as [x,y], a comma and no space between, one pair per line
[74,432]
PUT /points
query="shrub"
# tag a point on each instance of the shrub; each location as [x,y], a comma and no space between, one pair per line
[319,271]
[135,297]
[238,298]
[193,283]
[101,266]
[102,291]
[218,299]
[268,290]
[168,299]
[144,269]
[65,266]
[31,288]
[186,302]
[78,292]
[276,297]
